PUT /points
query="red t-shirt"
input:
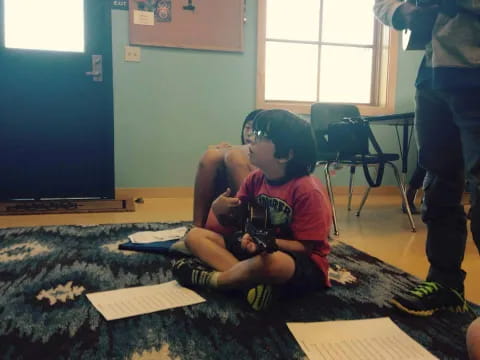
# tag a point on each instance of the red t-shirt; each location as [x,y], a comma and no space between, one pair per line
[298,209]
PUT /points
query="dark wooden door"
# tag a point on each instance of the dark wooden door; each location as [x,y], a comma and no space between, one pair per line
[56,121]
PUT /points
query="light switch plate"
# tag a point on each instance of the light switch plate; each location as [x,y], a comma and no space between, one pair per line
[132,53]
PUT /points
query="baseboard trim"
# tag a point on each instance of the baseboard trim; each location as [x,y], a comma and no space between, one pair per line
[157,192]
[64,206]
[359,190]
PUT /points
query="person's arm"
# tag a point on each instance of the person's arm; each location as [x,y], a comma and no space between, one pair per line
[230,211]
[405,15]
[227,208]
[385,10]
[299,246]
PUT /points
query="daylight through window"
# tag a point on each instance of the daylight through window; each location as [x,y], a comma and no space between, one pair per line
[323,51]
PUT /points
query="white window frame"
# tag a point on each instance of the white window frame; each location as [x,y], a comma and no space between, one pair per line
[384,77]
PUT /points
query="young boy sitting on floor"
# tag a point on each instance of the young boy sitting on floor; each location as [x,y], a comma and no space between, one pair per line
[298,211]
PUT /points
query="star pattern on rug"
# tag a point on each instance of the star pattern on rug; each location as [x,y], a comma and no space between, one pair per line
[86,259]
[61,293]
[22,251]
[341,275]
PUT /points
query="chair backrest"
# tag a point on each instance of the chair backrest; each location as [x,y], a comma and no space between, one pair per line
[323,114]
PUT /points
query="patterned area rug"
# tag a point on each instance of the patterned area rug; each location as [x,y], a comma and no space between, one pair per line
[45,273]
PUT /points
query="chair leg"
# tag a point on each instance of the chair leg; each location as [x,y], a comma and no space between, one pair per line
[350,188]
[401,187]
[364,199]
[330,195]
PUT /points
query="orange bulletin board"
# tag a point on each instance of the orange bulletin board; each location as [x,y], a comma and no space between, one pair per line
[191,24]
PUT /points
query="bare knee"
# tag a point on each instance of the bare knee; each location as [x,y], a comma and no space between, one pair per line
[270,268]
[236,158]
[195,236]
[275,268]
[211,158]
[238,167]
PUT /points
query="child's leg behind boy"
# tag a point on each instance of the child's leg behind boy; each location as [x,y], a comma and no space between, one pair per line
[209,164]
[224,167]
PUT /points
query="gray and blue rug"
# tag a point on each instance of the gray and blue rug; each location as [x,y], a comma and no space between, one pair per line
[45,273]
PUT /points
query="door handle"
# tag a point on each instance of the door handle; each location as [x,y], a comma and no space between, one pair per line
[97,68]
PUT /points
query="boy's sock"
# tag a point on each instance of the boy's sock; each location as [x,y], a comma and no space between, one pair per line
[192,272]
[260,296]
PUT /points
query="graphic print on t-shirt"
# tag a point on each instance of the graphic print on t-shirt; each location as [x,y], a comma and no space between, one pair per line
[279,212]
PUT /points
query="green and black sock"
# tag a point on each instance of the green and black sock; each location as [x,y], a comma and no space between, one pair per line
[192,272]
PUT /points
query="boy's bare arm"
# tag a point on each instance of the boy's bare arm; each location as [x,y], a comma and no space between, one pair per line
[283,244]
[226,208]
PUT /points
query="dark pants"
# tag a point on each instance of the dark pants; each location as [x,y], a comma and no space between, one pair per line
[448,135]
[416,181]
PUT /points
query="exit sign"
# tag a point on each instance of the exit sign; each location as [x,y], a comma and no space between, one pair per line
[120,4]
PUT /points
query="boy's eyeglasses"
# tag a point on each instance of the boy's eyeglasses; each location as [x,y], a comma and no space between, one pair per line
[260,135]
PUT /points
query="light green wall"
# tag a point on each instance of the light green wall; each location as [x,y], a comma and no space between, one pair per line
[175,102]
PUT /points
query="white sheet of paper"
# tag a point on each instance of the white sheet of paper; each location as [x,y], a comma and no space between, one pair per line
[145,237]
[356,339]
[122,303]
[143,17]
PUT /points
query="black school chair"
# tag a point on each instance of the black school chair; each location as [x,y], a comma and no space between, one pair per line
[322,115]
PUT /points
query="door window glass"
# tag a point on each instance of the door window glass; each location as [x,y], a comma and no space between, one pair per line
[56,25]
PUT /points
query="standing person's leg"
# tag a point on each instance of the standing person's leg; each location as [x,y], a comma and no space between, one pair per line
[475,214]
[466,108]
[415,183]
[440,153]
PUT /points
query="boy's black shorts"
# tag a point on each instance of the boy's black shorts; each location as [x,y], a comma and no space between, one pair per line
[306,278]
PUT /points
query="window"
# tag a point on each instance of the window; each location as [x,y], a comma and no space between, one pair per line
[55,25]
[324,51]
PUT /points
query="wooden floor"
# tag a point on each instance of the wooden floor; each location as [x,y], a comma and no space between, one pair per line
[381,230]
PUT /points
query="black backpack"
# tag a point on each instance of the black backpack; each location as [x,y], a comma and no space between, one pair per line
[349,139]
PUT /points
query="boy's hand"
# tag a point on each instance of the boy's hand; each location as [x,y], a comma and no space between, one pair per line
[247,243]
[224,204]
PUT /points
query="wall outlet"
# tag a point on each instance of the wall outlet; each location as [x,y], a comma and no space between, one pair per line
[132,53]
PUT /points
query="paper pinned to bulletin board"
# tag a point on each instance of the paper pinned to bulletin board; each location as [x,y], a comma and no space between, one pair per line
[191,24]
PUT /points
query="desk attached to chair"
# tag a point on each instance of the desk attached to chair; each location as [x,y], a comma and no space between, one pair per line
[404,120]
[323,115]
